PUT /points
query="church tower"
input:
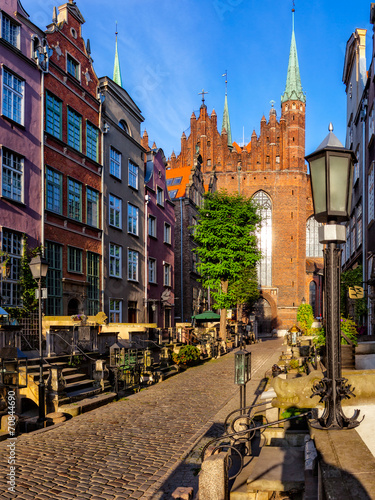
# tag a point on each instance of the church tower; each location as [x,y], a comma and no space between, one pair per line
[270,169]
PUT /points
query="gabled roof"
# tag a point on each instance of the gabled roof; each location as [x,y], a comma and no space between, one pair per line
[175,173]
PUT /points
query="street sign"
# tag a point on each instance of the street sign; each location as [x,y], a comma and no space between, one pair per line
[356,292]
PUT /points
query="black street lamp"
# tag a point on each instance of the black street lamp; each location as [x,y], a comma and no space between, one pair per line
[331,174]
[242,373]
[39,267]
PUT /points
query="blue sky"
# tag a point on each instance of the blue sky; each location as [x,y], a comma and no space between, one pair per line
[171,49]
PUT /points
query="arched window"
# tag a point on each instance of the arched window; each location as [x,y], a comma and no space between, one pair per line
[124,126]
[312,300]
[313,247]
[265,238]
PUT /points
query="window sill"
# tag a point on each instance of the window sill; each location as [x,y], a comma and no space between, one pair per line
[133,188]
[15,202]
[115,277]
[13,122]
[133,234]
[115,227]
[133,281]
[115,177]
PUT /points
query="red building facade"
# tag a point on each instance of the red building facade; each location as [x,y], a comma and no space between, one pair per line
[73,169]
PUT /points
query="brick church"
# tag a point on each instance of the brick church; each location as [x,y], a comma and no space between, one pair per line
[272,170]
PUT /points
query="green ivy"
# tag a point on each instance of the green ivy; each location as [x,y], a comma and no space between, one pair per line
[350,278]
[305,318]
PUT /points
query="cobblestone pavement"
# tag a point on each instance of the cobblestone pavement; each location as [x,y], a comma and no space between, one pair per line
[134,448]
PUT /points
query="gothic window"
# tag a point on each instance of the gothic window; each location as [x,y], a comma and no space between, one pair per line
[313,247]
[265,238]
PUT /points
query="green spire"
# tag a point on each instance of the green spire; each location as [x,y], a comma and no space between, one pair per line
[293,88]
[116,69]
[226,121]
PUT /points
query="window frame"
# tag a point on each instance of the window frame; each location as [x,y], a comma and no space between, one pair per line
[77,67]
[160,196]
[133,220]
[167,233]
[15,158]
[115,210]
[133,265]
[133,177]
[12,244]
[114,310]
[152,270]
[72,202]
[114,163]
[167,274]
[14,93]
[75,255]
[51,110]
[92,141]
[72,116]
[52,184]
[93,203]
[12,23]
[115,267]
[152,224]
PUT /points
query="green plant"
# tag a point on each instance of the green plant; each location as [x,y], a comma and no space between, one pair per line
[350,278]
[75,360]
[291,412]
[319,339]
[305,318]
[347,326]
[187,355]
[294,364]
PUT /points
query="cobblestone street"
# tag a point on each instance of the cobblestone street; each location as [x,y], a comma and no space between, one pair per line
[137,447]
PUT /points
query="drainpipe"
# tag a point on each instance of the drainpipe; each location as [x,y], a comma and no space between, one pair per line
[147,199]
[101,100]
[42,205]
[181,272]
[364,201]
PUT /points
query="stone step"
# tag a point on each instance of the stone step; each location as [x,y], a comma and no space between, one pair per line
[275,469]
[81,384]
[81,393]
[88,404]
[74,377]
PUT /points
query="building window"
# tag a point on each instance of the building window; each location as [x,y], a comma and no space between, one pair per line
[115,163]
[54,279]
[115,311]
[152,270]
[313,247]
[92,202]
[371,193]
[10,31]
[53,115]
[12,244]
[167,273]
[74,199]
[72,66]
[194,224]
[132,219]
[264,236]
[13,96]
[92,134]
[347,245]
[74,129]
[167,233]
[132,265]
[195,262]
[74,260]
[12,176]
[53,190]
[93,289]
[115,210]
[132,311]
[352,234]
[173,193]
[114,260]
[152,226]
[312,291]
[160,196]
[133,175]
[124,126]
[174,181]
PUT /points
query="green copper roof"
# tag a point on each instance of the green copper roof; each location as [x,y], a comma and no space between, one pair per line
[226,121]
[116,69]
[293,88]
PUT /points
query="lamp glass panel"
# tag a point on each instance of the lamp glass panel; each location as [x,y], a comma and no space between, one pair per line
[338,179]
[318,181]
[351,174]
[239,369]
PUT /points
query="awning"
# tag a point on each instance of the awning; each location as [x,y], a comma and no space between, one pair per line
[207,316]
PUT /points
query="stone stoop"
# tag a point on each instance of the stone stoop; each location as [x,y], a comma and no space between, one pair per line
[280,466]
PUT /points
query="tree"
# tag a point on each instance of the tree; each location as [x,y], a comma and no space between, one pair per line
[227,248]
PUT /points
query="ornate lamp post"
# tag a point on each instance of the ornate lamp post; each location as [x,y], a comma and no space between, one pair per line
[331,169]
[39,267]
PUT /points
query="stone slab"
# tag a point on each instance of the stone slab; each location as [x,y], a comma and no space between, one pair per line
[278,469]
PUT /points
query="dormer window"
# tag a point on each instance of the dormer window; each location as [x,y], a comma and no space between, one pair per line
[72,66]
[124,126]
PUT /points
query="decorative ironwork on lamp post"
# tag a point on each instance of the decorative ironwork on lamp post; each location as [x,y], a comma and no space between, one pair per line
[331,173]
[39,267]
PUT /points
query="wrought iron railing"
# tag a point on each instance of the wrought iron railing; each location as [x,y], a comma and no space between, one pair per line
[238,441]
